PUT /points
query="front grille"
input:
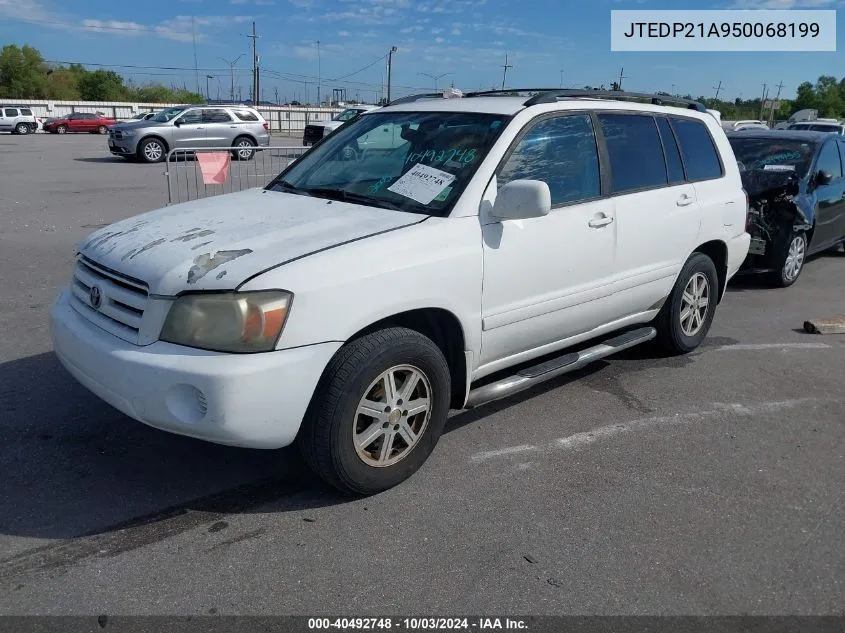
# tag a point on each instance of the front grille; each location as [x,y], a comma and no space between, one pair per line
[116,134]
[122,299]
[313,133]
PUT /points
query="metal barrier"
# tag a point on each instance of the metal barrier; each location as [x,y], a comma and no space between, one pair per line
[199,172]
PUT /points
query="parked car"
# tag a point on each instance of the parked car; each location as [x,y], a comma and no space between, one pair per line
[141,116]
[350,303]
[316,131]
[17,120]
[817,126]
[796,191]
[189,126]
[79,122]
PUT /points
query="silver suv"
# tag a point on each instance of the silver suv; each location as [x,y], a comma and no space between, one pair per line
[191,127]
[17,120]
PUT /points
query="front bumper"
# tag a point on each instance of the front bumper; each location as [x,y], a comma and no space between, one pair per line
[249,400]
[123,146]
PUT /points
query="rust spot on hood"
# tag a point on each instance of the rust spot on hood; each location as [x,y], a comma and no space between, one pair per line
[205,263]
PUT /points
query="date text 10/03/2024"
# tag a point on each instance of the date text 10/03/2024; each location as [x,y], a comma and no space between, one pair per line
[417,624]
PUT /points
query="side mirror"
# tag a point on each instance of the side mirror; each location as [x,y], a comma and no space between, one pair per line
[823,177]
[522,199]
[177,122]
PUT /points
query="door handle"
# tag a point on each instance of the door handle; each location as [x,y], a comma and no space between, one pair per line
[599,222]
[685,200]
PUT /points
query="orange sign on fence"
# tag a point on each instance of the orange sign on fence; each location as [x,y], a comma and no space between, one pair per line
[214,167]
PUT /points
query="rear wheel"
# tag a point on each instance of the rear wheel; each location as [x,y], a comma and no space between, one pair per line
[791,260]
[243,148]
[378,411]
[686,316]
[22,128]
[151,150]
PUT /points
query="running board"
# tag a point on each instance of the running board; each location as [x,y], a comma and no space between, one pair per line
[536,374]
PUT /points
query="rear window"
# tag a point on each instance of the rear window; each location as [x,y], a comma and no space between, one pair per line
[245,115]
[11,112]
[700,157]
[636,155]
[26,111]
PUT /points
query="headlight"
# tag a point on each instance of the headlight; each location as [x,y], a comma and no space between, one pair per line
[228,322]
[128,133]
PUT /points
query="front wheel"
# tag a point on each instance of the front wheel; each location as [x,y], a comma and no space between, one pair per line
[377,412]
[686,316]
[791,261]
[151,151]
[102,129]
[61,129]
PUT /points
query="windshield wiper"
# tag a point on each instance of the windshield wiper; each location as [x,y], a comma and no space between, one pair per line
[286,186]
[347,196]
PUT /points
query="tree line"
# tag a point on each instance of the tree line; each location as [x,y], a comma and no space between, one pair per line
[25,75]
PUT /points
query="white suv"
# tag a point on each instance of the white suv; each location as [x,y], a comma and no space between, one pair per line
[17,120]
[361,294]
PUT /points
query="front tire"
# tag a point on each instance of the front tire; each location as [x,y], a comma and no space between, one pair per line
[791,261]
[377,412]
[61,129]
[151,151]
[102,130]
[686,316]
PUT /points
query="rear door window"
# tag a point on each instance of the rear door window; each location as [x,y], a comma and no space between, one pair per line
[26,112]
[635,150]
[701,159]
[216,116]
[10,112]
[829,160]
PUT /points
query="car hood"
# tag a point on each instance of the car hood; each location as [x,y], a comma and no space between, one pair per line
[131,125]
[219,242]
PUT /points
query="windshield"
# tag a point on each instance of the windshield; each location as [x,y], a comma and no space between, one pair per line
[409,161]
[347,115]
[167,115]
[768,154]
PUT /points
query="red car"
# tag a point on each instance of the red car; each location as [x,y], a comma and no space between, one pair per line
[80,122]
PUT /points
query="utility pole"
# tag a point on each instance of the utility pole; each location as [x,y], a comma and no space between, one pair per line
[389,70]
[276,90]
[718,90]
[621,77]
[674,94]
[254,38]
[231,65]
[561,78]
[772,111]
[763,101]
[194,39]
[505,67]
[319,73]
[207,92]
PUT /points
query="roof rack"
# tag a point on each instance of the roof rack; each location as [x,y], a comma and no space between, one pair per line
[419,97]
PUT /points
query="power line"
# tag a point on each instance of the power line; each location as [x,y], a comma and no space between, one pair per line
[370,65]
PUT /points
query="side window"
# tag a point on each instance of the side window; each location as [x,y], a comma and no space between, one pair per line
[11,112]
[636,155]
[245,115]
[674,167]
[561,152]
[26,112]
[215,116]
[700,157]
[190,117]
[829,160]
[87,116]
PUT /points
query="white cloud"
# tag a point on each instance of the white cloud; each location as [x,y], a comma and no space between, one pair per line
[439,40]
[113,26]
[343,33]
[456,31]
[411,29]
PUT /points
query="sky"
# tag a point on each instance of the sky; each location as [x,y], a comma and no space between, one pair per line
[547,43]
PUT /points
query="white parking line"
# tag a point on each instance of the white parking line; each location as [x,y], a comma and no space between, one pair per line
[579,440]
[741,347]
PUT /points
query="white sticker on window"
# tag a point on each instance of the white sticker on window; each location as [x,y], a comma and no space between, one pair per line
[778,167]
[422,183]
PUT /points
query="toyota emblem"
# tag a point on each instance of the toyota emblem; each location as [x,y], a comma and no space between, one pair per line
[95,297]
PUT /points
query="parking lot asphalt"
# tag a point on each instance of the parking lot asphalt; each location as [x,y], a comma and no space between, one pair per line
[707,484]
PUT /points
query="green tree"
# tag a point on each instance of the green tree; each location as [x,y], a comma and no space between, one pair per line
[61,85]
[101,85]
[23,73]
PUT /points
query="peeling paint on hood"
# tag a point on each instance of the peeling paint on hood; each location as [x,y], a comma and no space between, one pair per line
[238,235]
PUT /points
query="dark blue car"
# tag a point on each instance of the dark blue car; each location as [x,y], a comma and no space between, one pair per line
[796,191]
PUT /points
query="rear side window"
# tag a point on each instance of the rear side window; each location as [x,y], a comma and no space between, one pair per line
[829,160]
[561,152]
[245,115]
[216,116]
[700,157]
[11,112]
[674,167]
[26,112]
[636,154]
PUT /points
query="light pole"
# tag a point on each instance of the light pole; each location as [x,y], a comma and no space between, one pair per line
[232,72]
[319,73]
[434,77]
[389,70]
[207,92]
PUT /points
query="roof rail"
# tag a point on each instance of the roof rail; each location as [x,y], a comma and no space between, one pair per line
[419,97]
[553,94]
